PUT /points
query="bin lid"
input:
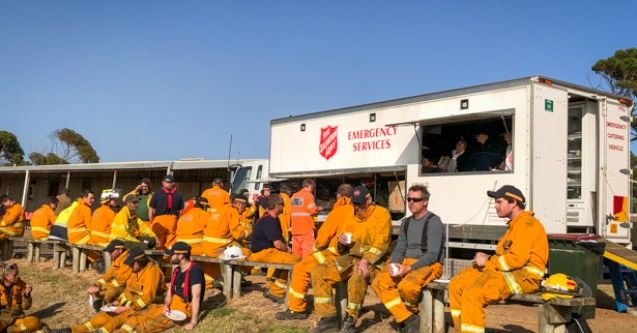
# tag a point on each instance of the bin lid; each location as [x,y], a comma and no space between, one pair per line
[592,242]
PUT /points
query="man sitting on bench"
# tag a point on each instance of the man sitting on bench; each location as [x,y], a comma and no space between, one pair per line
[110,285]
[517,267]
[415,261]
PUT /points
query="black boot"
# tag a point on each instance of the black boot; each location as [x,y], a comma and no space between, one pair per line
[275,299]
[411,324]
[349,324]
[325,325]
[290,315]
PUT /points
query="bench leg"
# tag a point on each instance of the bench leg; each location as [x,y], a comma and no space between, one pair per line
[82,266]
[341,300]
[30,248]
[227,271]
[553,318]
[426,308]
[107,261]
[76,259]
[56,257]
[439,311]
[63,259]
[36,252]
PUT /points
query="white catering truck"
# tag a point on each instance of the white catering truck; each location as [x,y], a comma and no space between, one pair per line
[567,147]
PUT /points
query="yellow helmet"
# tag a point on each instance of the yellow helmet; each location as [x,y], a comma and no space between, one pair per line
[559,285]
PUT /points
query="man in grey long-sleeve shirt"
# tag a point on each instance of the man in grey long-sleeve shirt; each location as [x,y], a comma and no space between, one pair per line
[415,261]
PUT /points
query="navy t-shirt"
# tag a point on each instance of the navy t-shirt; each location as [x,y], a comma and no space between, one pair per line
[196,277]
[265,232]
[160,203]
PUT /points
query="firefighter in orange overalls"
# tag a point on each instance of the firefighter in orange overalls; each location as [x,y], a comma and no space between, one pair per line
[112,283]
[103,218]
[164,208]
[302,214]
[268,246]
[357,264]
[80,220]
[415,261]
[15,298]
[216,195]
[12,219]
[185,294]
[325,249]
[145,282]
[43,218]
[517,267]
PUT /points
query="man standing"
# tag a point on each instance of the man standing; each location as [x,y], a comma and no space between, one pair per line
[63,201]
[145,282]
[216,195]
[16,298]
[103,217]
[11,221]
[262,199]
[418,255]
[268,246]
[517,267]
[302,212]
[285,218]
[325,249]
[369,243]
[43,218]
[110,285]
[185,294]
[165,207]
[144,194]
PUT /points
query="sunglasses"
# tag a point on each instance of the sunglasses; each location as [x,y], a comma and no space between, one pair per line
[415,199]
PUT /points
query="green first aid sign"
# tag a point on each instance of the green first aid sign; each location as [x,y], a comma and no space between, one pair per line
[548,105]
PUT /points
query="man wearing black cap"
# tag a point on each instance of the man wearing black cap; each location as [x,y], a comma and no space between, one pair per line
[185,294]
[164,208]
[145,282]
[517,267]
[112,283]
[363,244]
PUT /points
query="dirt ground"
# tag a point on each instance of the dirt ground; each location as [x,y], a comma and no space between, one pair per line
[59,301]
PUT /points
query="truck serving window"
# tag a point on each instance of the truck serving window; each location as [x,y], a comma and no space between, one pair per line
[478,145]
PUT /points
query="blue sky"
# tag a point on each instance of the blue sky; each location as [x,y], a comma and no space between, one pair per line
[158,80]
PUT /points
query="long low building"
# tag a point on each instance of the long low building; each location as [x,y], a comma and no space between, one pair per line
[31,185]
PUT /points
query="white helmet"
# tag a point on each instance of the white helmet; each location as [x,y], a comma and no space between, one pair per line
[109,194]
[232,252]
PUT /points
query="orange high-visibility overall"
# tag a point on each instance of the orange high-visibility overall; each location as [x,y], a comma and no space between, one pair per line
[302,214]
[101,225]
[517,268]
[11,223]
[41,222]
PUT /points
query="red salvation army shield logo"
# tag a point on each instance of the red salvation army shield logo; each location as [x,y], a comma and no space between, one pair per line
[329,142]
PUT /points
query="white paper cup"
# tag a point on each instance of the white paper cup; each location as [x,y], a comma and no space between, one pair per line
[348,237]
[394,268]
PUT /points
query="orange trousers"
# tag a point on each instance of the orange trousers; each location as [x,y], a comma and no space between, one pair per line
[106,321]
[279,282]
[165,227]
[153,320]
[21,324]
[303,244]
[301,279]
[324,276]
[109,293]
[400,295]
[471,290]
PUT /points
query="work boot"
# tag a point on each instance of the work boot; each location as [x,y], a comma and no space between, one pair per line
[325,325]
[411,325]
[245,283]
[290,315]
[275,299]
[349,324]
[218,284]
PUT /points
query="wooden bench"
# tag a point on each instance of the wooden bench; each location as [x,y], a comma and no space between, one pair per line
[236,265]
[553,314]
[226,272]
[79,254]
[34,249]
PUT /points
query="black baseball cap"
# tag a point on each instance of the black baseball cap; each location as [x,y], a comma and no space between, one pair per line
[179,248]
[360,195]
[168,179]
[113,245]
[133,255]
[508,191]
